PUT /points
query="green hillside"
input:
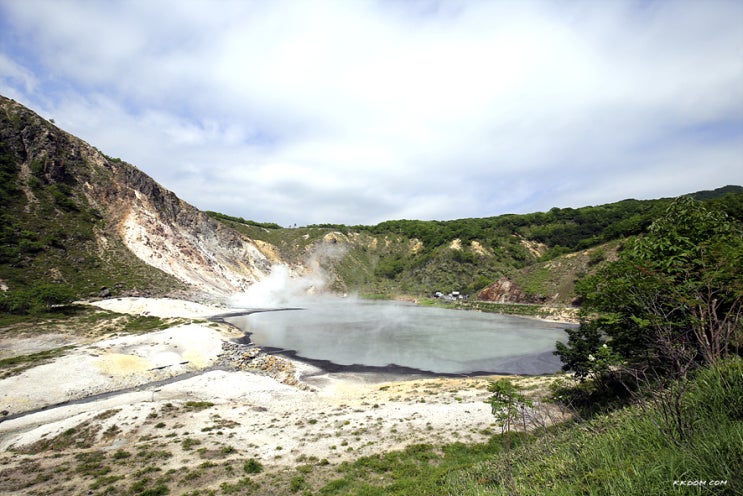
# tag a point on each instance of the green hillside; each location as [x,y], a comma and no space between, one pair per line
[543,252]
[623,452]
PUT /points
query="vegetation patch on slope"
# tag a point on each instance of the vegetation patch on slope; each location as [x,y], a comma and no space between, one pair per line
[623,452]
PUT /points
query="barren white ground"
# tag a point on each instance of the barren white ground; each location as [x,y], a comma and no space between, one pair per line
[343,416]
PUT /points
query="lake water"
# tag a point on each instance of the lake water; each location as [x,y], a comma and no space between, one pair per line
[373,335]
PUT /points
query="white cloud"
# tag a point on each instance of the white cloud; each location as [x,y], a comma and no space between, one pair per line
[16,79]
[361,111]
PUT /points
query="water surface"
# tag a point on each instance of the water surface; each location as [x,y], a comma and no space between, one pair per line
[361,335]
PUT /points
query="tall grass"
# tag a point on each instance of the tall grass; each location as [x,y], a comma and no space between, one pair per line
[620,453]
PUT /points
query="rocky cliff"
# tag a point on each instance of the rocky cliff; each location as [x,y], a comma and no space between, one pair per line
[504,290]
[124,205]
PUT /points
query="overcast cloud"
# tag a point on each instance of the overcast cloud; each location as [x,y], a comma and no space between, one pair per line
[355,112]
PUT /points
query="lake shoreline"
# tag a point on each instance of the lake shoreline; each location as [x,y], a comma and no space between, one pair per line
[294,330]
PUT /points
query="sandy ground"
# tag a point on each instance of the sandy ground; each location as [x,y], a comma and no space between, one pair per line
[159,307]
[278,423]
[110,365]
[340,417]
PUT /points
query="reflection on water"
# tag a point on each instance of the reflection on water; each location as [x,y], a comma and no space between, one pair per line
[379,334]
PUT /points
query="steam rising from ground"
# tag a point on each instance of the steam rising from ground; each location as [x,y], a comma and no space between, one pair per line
[286,286]
[387,335]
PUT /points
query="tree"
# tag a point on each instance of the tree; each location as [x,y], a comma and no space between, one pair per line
[671,301]
[51,295]
[505,403]
[586,353]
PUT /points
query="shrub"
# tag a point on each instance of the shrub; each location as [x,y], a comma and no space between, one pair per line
[198,405]
[252,466]
[296,483]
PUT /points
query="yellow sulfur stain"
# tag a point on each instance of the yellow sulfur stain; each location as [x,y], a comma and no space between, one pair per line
[195,358]
[120,364]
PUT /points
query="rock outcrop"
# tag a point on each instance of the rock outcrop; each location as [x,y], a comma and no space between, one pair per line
[237,356]
[504,290]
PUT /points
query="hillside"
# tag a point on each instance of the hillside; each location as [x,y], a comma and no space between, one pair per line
[76,217]
[541,255]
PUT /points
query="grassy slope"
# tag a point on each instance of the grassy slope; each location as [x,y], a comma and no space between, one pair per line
[59,245]
[555,279]
[628,451]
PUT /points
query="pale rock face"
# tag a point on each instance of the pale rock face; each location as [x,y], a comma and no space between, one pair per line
[173,236]
[479,249]
[195,260]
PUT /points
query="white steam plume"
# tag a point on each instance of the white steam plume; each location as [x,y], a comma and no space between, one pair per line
[284,286]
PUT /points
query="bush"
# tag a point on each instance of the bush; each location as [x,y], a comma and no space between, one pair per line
[296,483]
[50,295]
[36,300]
[390,267]
[671,302]
[252,466]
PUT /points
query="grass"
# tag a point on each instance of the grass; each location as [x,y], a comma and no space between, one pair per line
[252,466]
[17,364]
[526,310]
[84,320]
[196,406]
[623,452]
[189,443]
[82,436]
[534,282]
[141,324]
[242,486]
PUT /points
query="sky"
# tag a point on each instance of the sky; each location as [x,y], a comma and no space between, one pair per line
[360,111]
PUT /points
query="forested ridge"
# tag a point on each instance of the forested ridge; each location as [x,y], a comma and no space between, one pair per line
[54,240]
[418,257]
[559,228]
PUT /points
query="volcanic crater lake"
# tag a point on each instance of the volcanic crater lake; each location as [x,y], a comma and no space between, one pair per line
[349,334]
